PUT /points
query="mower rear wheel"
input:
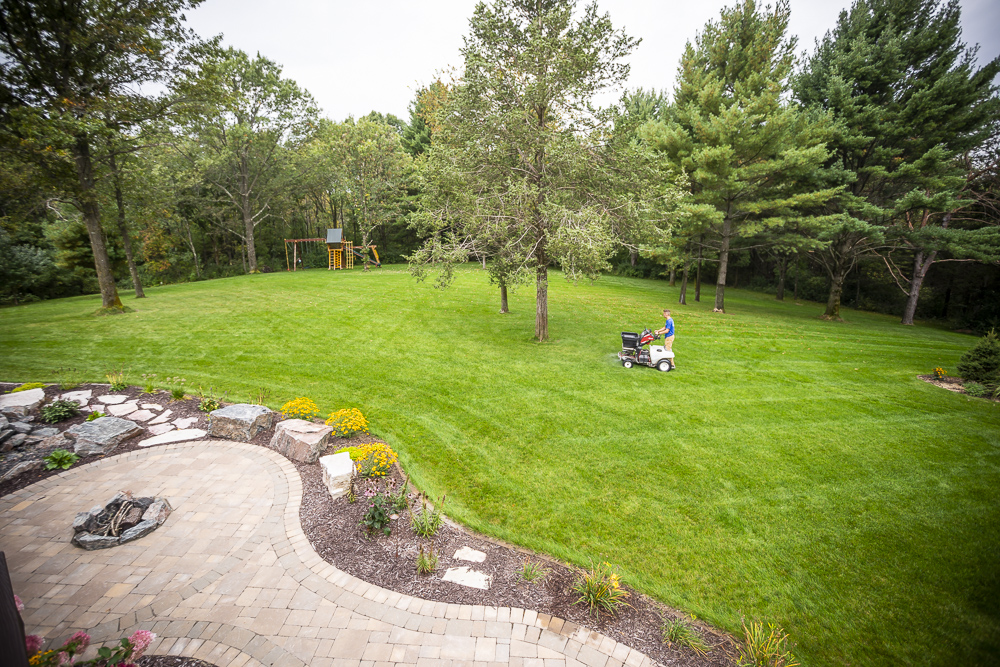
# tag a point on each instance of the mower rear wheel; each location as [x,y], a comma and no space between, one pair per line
[664,365]
[627,363]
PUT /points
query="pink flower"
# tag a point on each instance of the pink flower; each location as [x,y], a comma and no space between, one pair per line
[18,603]
[64,659]
[79,642]
[140,640]
[33,643]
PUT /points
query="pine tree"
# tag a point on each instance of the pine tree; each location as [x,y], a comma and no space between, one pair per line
[752,158]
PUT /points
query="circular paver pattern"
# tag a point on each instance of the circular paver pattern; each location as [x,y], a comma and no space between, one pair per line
[230,577]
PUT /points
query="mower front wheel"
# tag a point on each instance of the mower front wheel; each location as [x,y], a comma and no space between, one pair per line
[627,363]
[664,365]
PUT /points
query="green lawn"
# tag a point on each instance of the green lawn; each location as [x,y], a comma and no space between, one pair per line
[791,470]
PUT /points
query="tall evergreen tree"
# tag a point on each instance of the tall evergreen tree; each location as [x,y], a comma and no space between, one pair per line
[908,103]
[752,158]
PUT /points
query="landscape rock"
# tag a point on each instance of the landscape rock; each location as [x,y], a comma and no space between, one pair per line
[469,554]
[21,468]
[112,399]
[173,436]
[158,511]
[186,422]
[15,441]
[22,402]
[94,542]
[46,432]
[81,398]
[159,429]
[466,577]
[102,435]
[141,415]
[5,437]
[3,422]
[164,418]
[84,522]
[151,406]
[300,440]
[58,440]
[141,529]
[122,410]
[239,422]
[337,471]
[21,427]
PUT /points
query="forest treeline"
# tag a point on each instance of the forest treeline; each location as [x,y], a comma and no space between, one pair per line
[863,173]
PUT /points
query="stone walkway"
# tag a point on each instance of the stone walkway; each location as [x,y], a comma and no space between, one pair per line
[230,577]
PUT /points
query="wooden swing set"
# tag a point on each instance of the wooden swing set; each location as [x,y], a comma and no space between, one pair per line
[340,253]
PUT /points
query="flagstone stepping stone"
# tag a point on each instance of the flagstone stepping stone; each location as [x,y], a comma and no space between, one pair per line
[466,553]
[466,577]
[300,440]
[152,406]
[186,422]
[239,422]
[162,419]
[102,435]
[122,410]
[22,402]
[81,398]
[141,415]
[112,399]
[161,428]
[173,436]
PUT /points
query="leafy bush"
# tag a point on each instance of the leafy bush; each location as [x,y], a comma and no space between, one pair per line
[600,589]
[60,459]
[427,561]
[118,379]
[426,523]
[939,373]
[375,459]
[209,401]
[95,415]
[346,423]
[976,389]
[57,411]
[300,408]
[981,363]
[531,571]
[677,631]
[354,452]
[28,385]
[765,647]
[376,518]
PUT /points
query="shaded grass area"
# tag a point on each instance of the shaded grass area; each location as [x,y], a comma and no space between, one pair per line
[791,470]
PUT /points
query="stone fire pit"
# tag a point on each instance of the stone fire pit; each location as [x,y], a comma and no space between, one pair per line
[123,519]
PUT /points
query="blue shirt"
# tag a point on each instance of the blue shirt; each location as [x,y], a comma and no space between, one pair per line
[669,326]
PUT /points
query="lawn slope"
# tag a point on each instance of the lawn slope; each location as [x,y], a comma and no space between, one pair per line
[791,470]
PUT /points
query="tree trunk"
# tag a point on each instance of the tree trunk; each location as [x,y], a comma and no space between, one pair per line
[782,270]
[123,230]
[92,219]
[697,273]
[673,276]
[503,299]
[194,252]
[795,285]
[684,284]
[251,248]
[921,265]
[632,256]
[720,283]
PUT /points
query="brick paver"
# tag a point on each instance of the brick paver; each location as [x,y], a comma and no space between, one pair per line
[230,577]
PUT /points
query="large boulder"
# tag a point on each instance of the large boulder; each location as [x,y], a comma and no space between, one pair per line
[300,440]
[337,471]
[102,435]
[21,403]
[239,422]
[21,468]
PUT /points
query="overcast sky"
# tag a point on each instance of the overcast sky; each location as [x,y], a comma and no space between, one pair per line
[356,56]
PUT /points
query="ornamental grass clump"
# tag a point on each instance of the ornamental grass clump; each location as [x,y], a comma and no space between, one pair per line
[678,631]
[300,408]
[427,561]
[375,459]
[118,379]
[600,589]
[765,647]
[347,423]
[532,571]
[427,522]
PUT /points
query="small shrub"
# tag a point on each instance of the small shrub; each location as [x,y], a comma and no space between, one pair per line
[346,423]
[57,411]
[118,379]
[427,561]
[355,452]
[677,631]
[976,389]
[209,401]
[981,363]
[426,523]
[177,394]
[376,518]
[765,647]
[600,589]
[60,459]
[28,385]
[531,571]
[300,408]
[939,373]
[375,459]
[398,499]
[96,414]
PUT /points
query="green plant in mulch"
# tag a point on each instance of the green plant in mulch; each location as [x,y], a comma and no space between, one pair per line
[95,415]
[58,411]
[427,522]
[600,589]
[118,379]
[427,561]
[532,571]
[678,631]
[976,389]
[376,517]
[209,401]
[27,386]
[765,647]
[60,459]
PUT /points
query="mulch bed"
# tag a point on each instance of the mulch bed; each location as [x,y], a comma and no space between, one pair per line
[332,527]
[952,384]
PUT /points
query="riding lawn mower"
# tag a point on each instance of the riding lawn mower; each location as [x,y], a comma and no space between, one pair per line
[634,351]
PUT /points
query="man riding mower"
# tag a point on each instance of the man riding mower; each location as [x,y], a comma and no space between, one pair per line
[634,351]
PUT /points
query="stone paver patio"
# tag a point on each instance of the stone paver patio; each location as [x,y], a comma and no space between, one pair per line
[231,578]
